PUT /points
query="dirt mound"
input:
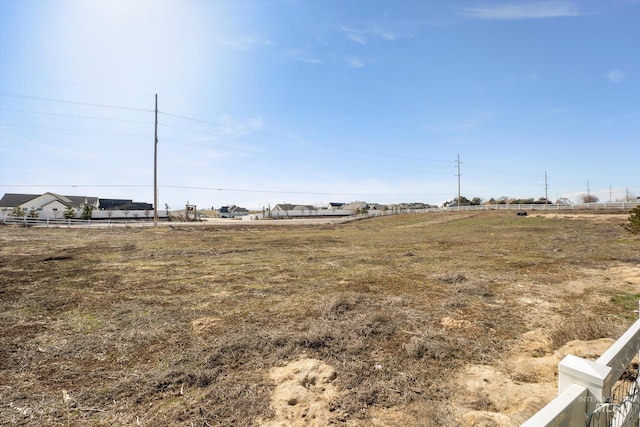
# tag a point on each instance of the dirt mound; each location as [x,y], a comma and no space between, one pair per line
[509,393]
[205,325]
[303,393]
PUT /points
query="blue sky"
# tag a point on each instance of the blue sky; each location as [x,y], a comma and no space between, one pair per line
[263,102]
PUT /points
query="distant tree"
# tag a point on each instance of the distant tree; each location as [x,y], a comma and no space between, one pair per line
[634,221]
[522,201]
[17,212]
[69,213]
[33,213]
[589,198]
[476,201]
[87,212]
[463,202]
[563,201]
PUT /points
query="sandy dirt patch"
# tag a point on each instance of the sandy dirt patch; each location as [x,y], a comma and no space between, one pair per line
[303,393]
[508,393]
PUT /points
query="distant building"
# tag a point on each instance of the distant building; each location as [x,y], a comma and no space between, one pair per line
[356,206]
[52,206]
[232,211]
[123,204]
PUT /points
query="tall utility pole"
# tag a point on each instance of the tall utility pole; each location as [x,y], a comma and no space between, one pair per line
[588,190]
[610,193]
[155,169]
[546,187]
[458,182]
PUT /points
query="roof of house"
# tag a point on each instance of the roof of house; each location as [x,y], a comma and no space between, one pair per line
[124,204]
[303,207]
[283,207]
[134,206]
[82,200]
[355,205]
[11,200]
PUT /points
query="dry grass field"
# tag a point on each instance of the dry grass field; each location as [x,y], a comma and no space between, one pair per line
[432,319]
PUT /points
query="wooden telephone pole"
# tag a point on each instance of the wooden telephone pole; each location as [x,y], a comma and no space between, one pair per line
[155,169]
[458,182]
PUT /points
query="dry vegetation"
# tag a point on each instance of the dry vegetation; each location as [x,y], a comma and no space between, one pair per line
[181,327]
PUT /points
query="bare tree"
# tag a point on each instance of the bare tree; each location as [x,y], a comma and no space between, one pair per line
[589,198]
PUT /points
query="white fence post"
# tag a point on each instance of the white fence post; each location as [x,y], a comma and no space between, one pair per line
[584,387]
[576,370]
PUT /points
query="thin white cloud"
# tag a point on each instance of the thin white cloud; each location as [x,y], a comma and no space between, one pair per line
[524,10]
[355,62]
[301,56]
[615,76]
[358,38]
[363,36]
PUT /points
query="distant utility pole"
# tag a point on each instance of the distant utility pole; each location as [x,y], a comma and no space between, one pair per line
[610,191]
[155,169]
[458,182]
[588,190]
[546,187]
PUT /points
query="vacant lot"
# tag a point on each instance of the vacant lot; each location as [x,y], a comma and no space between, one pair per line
[435,319]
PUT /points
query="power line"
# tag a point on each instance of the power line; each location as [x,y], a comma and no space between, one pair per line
[223,125]
[63,101]
[73,131]
[74,116]
[238,190]
[24,76]
[270,135]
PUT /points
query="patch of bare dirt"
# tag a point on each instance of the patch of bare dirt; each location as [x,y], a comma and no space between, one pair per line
[582,216]
[509,392]
[206,325]
[303,394]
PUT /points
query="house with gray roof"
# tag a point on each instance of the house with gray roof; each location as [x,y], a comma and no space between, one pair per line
[47,205]
[52,206]
[232,211]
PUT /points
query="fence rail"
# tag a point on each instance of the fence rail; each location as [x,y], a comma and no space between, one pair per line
[64,222]
[543,207]
[606,391]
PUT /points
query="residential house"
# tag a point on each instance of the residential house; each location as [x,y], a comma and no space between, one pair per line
[47,205]
[52,206]
[124,204]
[356,207]
[335,205]
[232,211]
[283,207]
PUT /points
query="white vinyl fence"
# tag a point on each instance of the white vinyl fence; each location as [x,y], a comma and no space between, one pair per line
[596,394]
